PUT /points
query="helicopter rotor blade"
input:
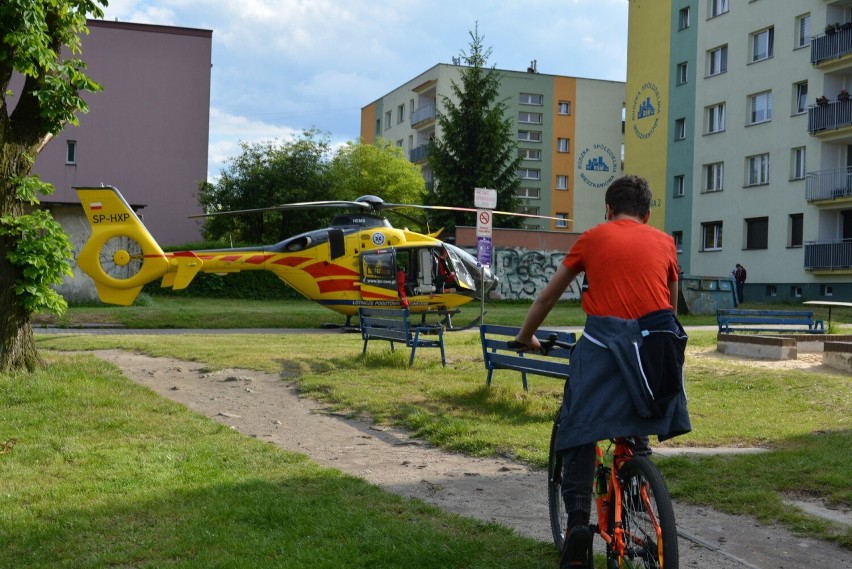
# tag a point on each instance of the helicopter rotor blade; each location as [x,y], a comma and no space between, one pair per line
[473,210]
[298,205]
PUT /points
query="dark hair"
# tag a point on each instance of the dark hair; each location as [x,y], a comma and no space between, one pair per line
[629,195]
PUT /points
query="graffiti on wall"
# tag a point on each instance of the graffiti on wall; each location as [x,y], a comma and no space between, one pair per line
[522,273]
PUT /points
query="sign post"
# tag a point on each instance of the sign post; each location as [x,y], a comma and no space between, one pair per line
[484,200]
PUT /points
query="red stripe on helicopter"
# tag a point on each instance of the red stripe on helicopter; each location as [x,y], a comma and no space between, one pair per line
[336,285]
[257,259]
[318,270]
[290,261]
[367,294]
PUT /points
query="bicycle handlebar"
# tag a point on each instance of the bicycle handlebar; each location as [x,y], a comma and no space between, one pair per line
[546,345]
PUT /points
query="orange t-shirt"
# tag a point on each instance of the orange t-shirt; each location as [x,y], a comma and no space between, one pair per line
[628,267]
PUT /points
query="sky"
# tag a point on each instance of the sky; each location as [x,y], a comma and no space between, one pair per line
[281,67]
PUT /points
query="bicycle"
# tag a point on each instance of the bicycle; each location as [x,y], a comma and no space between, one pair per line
[635,517]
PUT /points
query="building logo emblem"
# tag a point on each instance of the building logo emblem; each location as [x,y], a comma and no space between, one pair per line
[597,166]
[647,106]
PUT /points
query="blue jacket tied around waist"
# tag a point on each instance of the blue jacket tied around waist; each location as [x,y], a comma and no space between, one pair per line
[626,378]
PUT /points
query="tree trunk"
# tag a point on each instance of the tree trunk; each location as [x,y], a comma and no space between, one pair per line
[17,343]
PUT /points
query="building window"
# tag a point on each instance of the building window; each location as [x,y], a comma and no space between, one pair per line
[529,154]
[771,290]
[714,175]
[529,173]
[561,182]
[71,152]
[532,99]
[562,145]
[715,118]
[803,30]
[718,7]
[679,189]
[760,107]
[797,163]
[529,135]
[683,18]
[527,193]
[795,291]
[757,170]
[387,120]
[711,236]
[757,233]
[826,290]
[562,222]
[682,73]
[564,108]
[680,129]
[800,97]
[762,44]
[530,118]
[400,113]
[717,60]
[794,230]
[678,240]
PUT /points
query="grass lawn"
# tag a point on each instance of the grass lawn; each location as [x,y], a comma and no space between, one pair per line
[104,473]
[804,417]
[188,312]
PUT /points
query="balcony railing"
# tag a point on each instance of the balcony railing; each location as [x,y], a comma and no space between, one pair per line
[419,154]
[828,255]
[831,46]
[828,184]
[423,114]
[832,115]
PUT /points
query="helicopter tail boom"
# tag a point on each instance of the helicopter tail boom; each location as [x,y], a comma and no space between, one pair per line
[121,255]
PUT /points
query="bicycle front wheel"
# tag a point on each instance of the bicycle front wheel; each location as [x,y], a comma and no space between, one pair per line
[558,517]
[647,517]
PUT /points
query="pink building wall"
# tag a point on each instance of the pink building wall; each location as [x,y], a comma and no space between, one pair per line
[147,132]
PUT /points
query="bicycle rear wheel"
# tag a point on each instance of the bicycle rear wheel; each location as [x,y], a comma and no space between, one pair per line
[647,517]
[558,516]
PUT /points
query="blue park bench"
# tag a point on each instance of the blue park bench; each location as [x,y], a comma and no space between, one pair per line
[498,355]
[392,325]
[778,321]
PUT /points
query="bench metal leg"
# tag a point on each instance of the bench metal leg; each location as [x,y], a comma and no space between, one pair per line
[524,379]
[488,379]
[413,350]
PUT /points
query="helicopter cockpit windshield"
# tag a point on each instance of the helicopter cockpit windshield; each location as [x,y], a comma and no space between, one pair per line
[463,276]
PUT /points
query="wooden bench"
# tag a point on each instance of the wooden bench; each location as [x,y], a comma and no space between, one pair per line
[392,325]
[498,355]
[789,321]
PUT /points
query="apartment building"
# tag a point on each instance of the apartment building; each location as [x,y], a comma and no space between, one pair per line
[569,132]
[737,113]
[146,133]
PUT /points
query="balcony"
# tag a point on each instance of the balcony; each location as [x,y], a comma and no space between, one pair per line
[832,46]
[423,114]
[828,184]
[419,154]
[828,255]
[830,116]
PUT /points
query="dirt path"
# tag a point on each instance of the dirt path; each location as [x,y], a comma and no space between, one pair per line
[267,408]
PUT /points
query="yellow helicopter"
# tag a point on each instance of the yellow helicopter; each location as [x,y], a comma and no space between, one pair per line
[359,260]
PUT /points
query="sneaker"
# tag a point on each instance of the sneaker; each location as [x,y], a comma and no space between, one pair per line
[577,552]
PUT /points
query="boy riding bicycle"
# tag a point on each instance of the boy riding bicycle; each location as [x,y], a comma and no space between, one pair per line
[626,371]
